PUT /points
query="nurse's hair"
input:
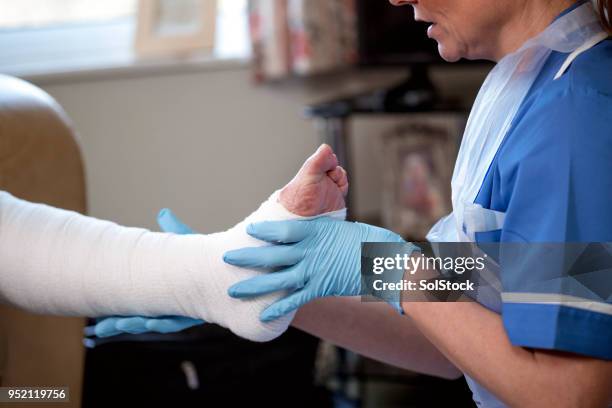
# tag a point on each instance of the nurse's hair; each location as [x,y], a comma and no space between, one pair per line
[605,11]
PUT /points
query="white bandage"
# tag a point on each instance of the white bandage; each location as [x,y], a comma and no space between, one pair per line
[60,262]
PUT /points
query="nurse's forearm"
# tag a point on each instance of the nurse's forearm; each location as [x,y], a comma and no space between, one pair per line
[375,330]
[474,339]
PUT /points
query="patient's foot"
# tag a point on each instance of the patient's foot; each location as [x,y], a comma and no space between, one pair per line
[319,187]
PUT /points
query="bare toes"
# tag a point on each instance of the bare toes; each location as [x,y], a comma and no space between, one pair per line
[336,174]
[322,161]
[343,183]
[340,178]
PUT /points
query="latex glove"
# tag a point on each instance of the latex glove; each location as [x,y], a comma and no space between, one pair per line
[320,257]
[112,326]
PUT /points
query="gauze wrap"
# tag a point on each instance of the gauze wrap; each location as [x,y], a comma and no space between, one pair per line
[60,262]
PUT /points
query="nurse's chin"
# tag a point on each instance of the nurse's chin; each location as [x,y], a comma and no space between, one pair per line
[449,53]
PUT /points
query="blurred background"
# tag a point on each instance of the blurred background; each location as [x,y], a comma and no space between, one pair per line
[207,107]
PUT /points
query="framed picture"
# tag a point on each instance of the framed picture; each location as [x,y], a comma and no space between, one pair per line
[417,193]
[171,27]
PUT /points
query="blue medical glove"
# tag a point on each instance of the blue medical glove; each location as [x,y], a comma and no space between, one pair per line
[320,257]
[112,326]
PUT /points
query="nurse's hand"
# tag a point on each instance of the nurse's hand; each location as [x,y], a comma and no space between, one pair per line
[319,258]
[112,326]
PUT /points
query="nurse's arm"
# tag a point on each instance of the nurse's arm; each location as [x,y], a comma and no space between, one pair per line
[474,339]
[375,330]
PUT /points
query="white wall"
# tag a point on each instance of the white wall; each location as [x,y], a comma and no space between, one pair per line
[209,144]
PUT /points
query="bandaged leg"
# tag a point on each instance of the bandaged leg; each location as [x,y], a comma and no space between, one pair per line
[59,262]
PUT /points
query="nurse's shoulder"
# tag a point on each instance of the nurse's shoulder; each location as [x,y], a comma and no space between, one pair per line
[556,168]
[579,103]
[582,94]
[592,70]
[566,123]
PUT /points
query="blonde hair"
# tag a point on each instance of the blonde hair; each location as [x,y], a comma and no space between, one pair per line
[604,7]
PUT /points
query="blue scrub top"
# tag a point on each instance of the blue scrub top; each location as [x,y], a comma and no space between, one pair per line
[552,177]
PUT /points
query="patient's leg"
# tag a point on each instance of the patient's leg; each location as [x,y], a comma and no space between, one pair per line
[56,261]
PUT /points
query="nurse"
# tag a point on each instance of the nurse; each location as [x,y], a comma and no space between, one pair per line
[534,166]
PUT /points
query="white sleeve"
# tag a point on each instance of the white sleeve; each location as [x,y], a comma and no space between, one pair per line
[60,262]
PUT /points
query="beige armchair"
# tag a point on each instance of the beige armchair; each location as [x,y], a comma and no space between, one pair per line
[40,161]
